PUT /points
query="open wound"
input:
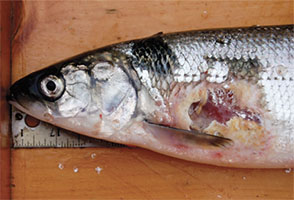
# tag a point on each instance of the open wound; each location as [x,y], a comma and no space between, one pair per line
[222,112]
[220,105]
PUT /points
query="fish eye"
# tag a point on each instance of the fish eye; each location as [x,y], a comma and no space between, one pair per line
[52,87]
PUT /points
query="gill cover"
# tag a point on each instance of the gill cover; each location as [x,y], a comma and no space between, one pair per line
[83,95]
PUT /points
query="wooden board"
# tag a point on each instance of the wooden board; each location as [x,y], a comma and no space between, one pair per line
[5,14]
[129,173]
[51,31]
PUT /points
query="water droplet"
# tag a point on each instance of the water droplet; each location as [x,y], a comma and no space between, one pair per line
[60,166]
[93,155]
[244,177]
[230,160]
[204,14]
[98,169]
[75,169]
[288,170]
[219,196]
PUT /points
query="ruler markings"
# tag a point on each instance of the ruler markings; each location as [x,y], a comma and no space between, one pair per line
[45,135]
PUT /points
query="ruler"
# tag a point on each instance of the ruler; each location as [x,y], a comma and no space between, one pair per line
[28,132]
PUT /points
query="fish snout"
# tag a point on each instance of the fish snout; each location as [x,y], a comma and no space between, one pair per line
[13,93]
[10,97]
[25,87]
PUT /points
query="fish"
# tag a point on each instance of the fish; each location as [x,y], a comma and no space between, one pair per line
[222,97]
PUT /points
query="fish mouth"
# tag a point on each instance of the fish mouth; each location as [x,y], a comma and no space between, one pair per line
[16,95]
[11,97]
[12,100]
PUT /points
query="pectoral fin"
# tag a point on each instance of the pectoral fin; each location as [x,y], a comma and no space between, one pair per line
[185,137]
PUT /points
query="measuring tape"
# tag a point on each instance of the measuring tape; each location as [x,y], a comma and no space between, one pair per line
[28,132]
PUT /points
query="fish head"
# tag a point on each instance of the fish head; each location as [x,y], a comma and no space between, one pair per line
[88,96]
[34,93]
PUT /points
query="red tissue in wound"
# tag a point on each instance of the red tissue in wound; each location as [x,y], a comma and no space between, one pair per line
[221,106]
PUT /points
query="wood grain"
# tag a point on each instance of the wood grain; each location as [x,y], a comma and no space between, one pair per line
[133,173]
[5,15]
[51,31]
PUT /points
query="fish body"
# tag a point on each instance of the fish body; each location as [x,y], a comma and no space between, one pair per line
[221,97]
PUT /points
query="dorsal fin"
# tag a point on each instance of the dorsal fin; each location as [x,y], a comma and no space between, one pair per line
[157,34]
